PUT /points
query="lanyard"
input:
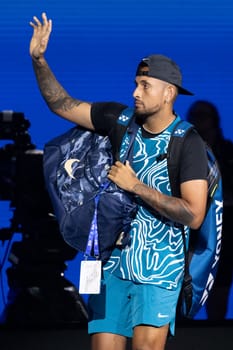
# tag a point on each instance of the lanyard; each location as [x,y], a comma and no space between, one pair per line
[92,241]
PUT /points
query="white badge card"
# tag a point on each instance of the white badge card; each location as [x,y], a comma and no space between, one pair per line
[90,277]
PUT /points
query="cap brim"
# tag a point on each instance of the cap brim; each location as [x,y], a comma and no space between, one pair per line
[183,91]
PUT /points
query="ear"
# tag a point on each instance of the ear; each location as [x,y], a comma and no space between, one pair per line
[170,93]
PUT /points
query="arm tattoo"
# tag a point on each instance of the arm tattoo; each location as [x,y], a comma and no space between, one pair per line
[55,96]
[170,207]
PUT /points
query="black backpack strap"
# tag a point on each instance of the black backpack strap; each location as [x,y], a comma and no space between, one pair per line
[179,133]
[125,122]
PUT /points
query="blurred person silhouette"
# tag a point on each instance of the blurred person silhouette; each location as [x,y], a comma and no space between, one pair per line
[205,117]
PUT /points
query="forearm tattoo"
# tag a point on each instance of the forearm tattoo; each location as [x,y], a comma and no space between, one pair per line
[55,96]
[170,207]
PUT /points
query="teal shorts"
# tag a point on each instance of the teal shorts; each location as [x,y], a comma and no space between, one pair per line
[123,304]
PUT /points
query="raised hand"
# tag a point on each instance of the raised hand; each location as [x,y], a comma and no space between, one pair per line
[40,37]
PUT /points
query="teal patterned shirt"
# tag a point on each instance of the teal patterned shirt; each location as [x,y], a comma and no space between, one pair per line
[155,254]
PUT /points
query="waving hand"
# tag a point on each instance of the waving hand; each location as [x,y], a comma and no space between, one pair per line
[40,37]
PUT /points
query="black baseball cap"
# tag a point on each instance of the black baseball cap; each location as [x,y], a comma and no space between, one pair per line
[163,68]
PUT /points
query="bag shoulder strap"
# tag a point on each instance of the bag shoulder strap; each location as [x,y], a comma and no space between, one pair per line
[125,121]
[179,133]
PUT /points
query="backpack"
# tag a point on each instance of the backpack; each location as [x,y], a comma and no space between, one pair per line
[203,253]
[93,213]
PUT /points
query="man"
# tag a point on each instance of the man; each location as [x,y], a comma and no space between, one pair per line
[141,283]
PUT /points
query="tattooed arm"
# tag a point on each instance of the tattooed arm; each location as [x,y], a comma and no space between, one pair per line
[56,97]
[188,210]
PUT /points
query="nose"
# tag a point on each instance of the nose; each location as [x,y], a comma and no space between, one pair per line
[136,92]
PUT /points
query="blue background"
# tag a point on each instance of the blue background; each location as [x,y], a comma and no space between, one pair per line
[94,49]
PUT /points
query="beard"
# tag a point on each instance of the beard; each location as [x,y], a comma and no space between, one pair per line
[143,114]
[141,118]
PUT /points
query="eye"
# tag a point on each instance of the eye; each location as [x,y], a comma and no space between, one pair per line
[145,86]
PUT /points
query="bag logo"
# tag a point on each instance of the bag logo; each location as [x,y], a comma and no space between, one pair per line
[68,166]
[211,278]
[123,119]
[179,132]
